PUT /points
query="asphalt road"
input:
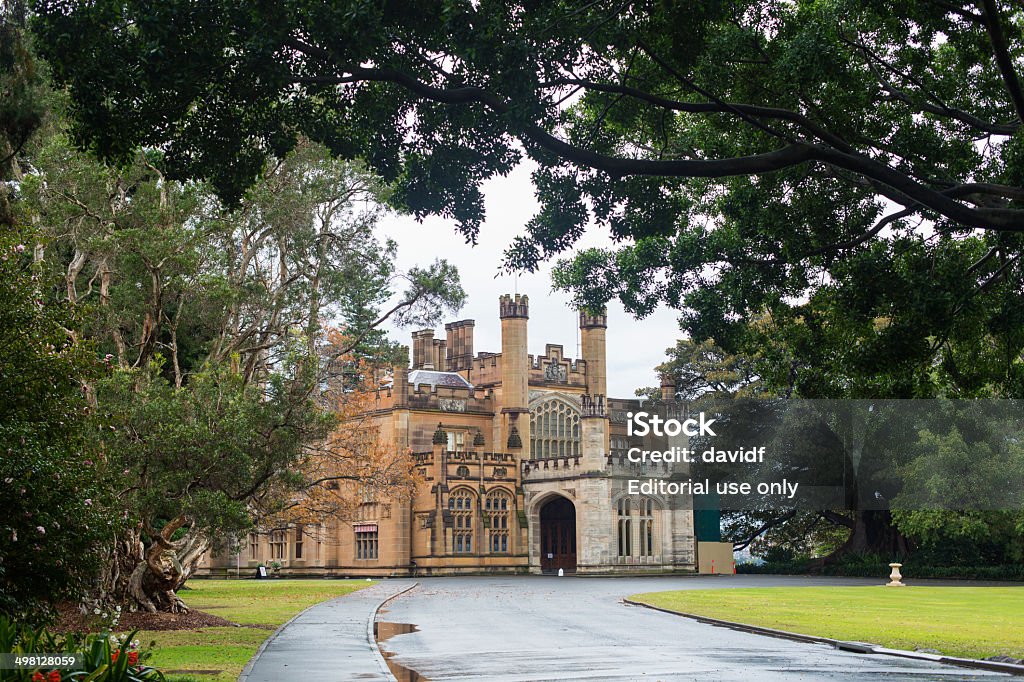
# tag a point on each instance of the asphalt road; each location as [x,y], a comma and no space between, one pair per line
[539,628]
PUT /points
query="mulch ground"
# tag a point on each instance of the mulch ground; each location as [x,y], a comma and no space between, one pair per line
[72,620]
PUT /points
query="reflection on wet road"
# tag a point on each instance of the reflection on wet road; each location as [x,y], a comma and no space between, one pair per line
[534,628]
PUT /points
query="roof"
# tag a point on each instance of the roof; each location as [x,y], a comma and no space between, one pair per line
[435,378]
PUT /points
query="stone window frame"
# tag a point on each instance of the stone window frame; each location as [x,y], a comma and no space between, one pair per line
[624,534]
[367,545]
[637,514]
[278,544]
[499,506]
[462,505]
[554,428]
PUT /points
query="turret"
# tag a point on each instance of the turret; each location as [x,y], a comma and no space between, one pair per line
[592,335]
[593,328]
[515,314]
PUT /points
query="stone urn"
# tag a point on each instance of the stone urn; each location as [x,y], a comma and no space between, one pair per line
[895,576]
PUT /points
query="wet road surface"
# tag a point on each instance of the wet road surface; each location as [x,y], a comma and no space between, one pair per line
[539,628]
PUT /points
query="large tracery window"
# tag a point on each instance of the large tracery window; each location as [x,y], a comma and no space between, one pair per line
[497,507]
[462,506]
[554,430]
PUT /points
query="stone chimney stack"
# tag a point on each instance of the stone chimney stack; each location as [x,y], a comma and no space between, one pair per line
[400,378]
[515,313]
[439,355]
[423,349]
[460,344]
[668,387]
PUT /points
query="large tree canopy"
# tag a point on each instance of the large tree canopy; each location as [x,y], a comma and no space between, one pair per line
[634,111]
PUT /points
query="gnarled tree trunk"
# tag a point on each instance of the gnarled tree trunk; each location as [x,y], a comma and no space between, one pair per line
[160,569]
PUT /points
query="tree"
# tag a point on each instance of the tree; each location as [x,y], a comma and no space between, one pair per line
[352,465]
[216,322]
[700,369]
[640,115]
[57,506]
[23,102]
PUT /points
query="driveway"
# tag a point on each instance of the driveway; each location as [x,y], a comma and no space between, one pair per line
[547,628]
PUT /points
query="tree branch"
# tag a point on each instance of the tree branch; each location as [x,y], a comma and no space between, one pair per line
[990,14]
[764,528]
[895,185]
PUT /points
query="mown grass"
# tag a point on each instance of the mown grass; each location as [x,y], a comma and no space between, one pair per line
[267,603]
[974,622]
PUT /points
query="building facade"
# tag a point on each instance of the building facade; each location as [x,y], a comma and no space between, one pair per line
[522,467]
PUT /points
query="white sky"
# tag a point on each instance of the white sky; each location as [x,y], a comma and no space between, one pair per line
[634,347]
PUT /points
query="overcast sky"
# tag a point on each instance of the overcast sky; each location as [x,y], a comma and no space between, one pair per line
[634,347]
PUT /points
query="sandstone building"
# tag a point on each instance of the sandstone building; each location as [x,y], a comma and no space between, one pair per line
[523,464]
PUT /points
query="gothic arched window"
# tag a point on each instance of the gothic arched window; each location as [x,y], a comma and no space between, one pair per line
[497,506]
[554,429]
[462,505]
[636,514]
[625,529]
[646,526]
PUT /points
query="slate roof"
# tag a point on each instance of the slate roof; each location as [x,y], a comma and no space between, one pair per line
[435,378]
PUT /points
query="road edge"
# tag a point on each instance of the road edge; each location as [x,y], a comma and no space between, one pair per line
[381,663]
[856,647]
[251,663]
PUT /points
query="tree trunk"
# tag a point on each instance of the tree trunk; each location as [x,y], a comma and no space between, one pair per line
[154,582]
[148,578]
[873,533]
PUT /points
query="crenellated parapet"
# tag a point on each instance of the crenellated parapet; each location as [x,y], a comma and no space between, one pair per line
[588,321]
[513,306]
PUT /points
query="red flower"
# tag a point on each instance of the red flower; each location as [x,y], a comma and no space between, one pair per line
[54,676]
[38,677]
[114,655]
[133,657]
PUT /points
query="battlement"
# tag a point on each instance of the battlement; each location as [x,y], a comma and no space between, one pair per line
[593,321]
[514,306]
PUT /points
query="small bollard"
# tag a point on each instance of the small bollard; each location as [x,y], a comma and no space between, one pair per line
[561,572]
[895,576]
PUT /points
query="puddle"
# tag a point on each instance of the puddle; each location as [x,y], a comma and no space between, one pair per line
[383,631]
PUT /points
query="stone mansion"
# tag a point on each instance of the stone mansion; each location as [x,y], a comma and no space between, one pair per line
[522,467]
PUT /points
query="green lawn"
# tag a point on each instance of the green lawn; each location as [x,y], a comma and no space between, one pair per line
[973,622]
[267,603]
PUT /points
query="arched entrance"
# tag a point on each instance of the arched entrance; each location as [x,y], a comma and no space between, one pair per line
[558,535]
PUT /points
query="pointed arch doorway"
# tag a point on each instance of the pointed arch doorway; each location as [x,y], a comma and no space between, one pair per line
[558,535]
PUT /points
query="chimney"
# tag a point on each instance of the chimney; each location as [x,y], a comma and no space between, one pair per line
[439,355]
[668,387]
[460,344]
[400,381]
[423,349]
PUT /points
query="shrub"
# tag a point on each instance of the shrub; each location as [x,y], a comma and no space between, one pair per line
[105,657]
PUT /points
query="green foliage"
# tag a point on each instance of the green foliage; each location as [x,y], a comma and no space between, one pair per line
[785,122]
[23,101]
[205,450]
[971,621]
[104,657]
[56,506]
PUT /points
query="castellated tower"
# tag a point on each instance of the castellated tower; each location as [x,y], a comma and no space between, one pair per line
[593,329]
[515,370]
